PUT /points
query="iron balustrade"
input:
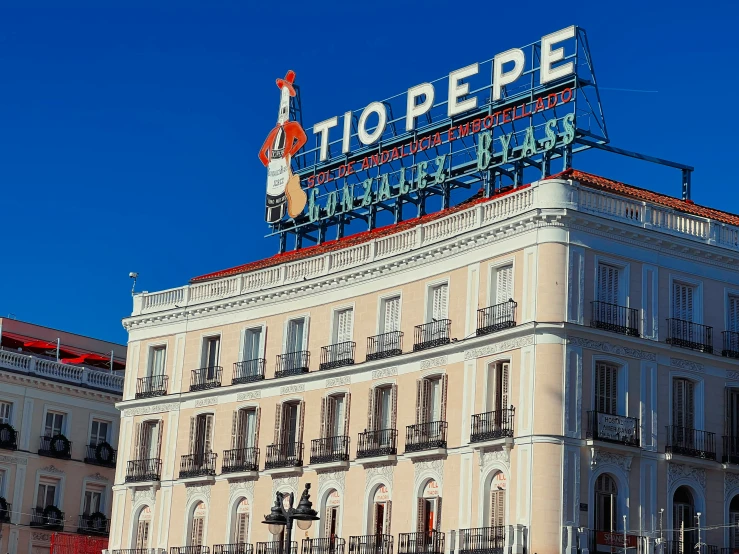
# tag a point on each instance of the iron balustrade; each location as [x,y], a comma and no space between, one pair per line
[612,428]
[149,387]
[240,459]
[8,437]
[288,454]
[482,540]
[199,464]
[615,318]
[325,545]
[377,443]
[233,548]
[50,517]
[337,355]
[276,547]
[730,450]
[247,372]
[329,449]
[6,509]
[431,335]
[691,442]
[425,436]
[57,446]
[385,345]
[292,363]
[143,470]
[101,454]
[688,546]
[93,524]
[371,544]
[731,344]
[687,334]
[493,425]
[206,378]
[426,542]
[496,318]
[189,550]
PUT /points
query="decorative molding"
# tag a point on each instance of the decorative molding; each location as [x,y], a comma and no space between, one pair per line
[676,472]
[487,457]
[52,469]
[200,402]
[241,488]
[385,372]
[434,362]
[251,395]
[192,490]
[603,457]
[609,348]
[327,477]
[385,472]
[98,477]
[435,467]
[147,494]
[14,460]
[732,375]
[489,350]
[687,365]
[279,484]
[290,389]
[42,537]
[338,381]
[158,408]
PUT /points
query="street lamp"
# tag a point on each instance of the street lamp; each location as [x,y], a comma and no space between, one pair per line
[281,517]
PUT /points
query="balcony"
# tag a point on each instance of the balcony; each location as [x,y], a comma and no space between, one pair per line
[482,540]
[372,444]
[371,544]
[57,446]
[276,547]
[202,464]
[385,345]
[206,378]
[337,355]
[425,437]
[189,550]
[429,542]
[5,510]
[247,372]
[614,318]
[233,548]
[431,335]
[8,437]
[494,425]
[240,460]
[731,344]
[141,471]
[326,545]
[150,387]
[613,428]
[496,318]
[94,524]
[731,450]
[101,454]
[292,363]
[690,442]
[687,546]
[51,518]
[285,455]
[330,450]
[687,334]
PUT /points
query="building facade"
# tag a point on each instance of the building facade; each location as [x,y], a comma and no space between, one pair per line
[58,434]
[529,372]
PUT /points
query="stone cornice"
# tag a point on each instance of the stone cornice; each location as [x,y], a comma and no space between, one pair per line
[22,379]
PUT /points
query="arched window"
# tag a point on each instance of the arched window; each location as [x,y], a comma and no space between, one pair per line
[197,525]
[683,510]
[734,521]
[606,493]
[141,540]
[497,500]
[240,525]
[381,512]
[429,509]
[331,513]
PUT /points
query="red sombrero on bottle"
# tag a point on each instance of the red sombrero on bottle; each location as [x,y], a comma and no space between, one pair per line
[283,188]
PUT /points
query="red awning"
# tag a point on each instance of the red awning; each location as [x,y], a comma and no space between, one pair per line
[46,346]
[67,354]
[95,360]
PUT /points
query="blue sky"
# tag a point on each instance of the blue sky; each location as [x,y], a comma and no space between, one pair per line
[129,133]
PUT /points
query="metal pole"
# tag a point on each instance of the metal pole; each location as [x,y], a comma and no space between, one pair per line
[661,539]
[698,544]
[58,342]
[624,534]
[288,533]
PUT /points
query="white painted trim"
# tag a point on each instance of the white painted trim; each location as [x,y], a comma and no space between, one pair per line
[67,421]
[622,382]
[698,397]
[697,295]
[483,499]
[262,326]
[215,333]
[653,326]
[624,270]
[381,313]
[530,280]
[622,482]
[332,323]
[196,499]
[493,268]
[150,347]
[429,286]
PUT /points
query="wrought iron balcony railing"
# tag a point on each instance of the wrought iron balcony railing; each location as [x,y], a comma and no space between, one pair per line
[149,387]
[337,355]
[329,449]
[493,425]
[8,437]
[288,454]
[325,545]
[189,550]
[425,436]
[206,378]
[482,540]
[428,542]
[50,517]
[101,454]
[688,546]
[687,334]
[240,459]
[371,544]
[731,344]
[143,470]
[431,335]
[233,548]
[496,318]
[385,345]
[247,372]
[292,363]
[730,450]
[57,446]
[6,509]
[613,428]
[276,547]
[691,442]
[615,318]
[197,465]
[377,443]
[94,524]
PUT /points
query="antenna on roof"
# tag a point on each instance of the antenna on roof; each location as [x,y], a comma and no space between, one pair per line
[133,275]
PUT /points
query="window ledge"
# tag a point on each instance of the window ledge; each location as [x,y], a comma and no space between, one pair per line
[388,458]
[198,479]
[278,471]
[143,485]
[238,475]
[337,465]
[505,442]
[423,454]
[616,446]
[679,458]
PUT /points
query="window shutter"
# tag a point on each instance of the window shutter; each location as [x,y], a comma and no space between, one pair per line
[504,284]
[437,523]
[606,388]
[439,306]
[160,432]
[444,387]
[137,442]
[388,515]
[235,430]
[208,433]
[331,416]
[608,284]
[421,515]
[497,508]
[379,415]
[419,401]
[142,535]
[306,330]
[689,403]
[327,522]
[324,423]
[682,301]
[371,409]
[392,315]
[733,323]
[257,426]
[394,413]
[301,423]
[426,407]
[242,344]
[344,325]
[504,385]
[727,412]
[347,406]
[191,442]
[242,527]
[278,423]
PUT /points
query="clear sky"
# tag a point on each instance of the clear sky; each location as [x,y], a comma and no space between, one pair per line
[129,135]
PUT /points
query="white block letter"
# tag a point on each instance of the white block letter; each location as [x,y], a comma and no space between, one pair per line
[549,56]
[323,128]
[347,132]
[413,110]
[364,136]
[501,79]
[457,89]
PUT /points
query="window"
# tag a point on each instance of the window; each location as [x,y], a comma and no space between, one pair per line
[343,320]
[211,351]
[682,301]
[503,285]
[158,356]
[683,518]
[6,412]
[732,418]
[429,509]
[54,424]
[142,529]
[93,502]
[99,432]
[198,525]
[46,495]
[438,302]
[390,315]
[289,421]
[608,284]
[683,403]
[252,344]
[605,503]
[732,323]
[381,511]
[148,440]
[606,388]
[295,335]
[245,429]
[497,500]
[201,434]
[335,416]
[242,528]
[431,399]
[331,517]
[383,407]
[734,522]
[497,393]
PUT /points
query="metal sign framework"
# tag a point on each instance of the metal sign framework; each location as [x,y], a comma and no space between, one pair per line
[575,96]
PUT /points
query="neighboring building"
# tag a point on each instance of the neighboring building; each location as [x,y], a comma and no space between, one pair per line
[58,434]
[558,356]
